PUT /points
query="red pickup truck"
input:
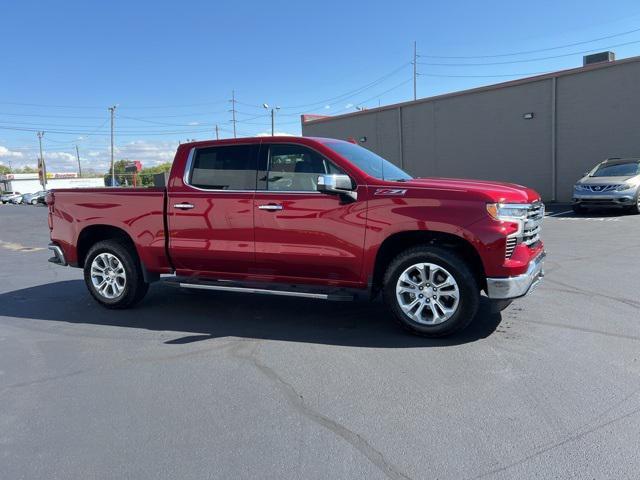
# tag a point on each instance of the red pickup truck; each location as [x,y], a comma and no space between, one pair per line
[306,217]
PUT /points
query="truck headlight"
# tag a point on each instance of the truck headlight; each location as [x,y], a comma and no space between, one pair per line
[623,187]
[508,211]
[579,187]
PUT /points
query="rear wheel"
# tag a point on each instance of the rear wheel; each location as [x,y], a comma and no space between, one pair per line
[34,202]
[113,274]
[431,291]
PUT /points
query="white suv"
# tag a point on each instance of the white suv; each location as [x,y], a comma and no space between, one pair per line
[612,183]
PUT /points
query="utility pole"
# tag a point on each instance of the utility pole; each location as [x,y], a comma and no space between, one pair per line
[217,133]
[415,69]
[113,165]
[233,111]
[42,165]
[78,157]
[273,117]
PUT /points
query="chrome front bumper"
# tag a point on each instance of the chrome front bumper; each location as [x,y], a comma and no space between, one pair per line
[606,198]
[518,286]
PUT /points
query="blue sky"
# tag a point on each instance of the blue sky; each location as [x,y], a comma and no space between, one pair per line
[171,66]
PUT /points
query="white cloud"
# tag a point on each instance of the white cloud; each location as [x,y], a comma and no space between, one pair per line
[327,107]
[348,105]
[194,123]
[60,157]
[98,158]
[5,153]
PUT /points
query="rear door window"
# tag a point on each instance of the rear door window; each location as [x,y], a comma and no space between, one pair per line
[230,167]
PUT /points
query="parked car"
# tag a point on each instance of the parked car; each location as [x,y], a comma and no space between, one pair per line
[43,199]
[33,198]
[306,217]
[16,199]
[7,196]
[612,183]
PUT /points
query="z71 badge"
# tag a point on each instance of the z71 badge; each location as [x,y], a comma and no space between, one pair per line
[390,191]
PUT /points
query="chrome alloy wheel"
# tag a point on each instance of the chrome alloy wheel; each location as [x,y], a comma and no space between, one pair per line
[108,275]
[427,293]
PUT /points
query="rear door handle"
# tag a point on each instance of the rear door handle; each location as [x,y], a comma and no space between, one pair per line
[183,206]
[270,207]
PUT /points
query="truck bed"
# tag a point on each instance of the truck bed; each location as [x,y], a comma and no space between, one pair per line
[137,211]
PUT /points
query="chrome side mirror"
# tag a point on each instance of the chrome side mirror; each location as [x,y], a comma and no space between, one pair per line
[337,185]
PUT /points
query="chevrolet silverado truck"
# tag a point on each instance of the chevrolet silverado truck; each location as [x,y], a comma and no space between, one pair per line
[306,217]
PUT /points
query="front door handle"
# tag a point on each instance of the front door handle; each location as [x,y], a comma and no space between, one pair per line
[183,206]
[271,207]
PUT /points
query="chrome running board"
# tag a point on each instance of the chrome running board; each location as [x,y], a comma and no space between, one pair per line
[265,291]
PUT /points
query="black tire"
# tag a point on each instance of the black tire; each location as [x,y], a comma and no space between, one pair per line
[469,291]
[135,288]
[579,209]
[34,202]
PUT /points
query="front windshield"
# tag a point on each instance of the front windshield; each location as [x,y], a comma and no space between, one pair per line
[617,170]
[369,162]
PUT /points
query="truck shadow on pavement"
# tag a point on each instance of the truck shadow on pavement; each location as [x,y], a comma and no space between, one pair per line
[200,316]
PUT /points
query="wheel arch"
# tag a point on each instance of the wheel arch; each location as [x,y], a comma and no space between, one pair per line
[92,234]
[398,242]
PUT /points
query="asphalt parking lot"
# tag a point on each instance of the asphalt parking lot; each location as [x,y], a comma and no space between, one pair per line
[221,386]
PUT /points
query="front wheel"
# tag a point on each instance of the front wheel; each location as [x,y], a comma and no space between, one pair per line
[431,291]
[113,275]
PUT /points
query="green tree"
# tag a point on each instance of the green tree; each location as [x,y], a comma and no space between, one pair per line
[144,177]
[119,169]
[4,169]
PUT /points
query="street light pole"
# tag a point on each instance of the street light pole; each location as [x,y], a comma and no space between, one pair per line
[113,167]
[273,117]
[44,168]
[78,157]
[415,70]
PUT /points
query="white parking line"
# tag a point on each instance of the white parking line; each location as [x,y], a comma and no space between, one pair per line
[558,214]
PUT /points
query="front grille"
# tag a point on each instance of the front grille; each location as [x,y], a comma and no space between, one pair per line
[533,224]
[530,233]
[511,245]
[599,188]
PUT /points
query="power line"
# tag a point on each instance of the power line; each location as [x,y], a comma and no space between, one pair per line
[484,76]
[136,107]
[352,92]
[538,50]
[127,133]
[378,95]
[510,62]
[38,115]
